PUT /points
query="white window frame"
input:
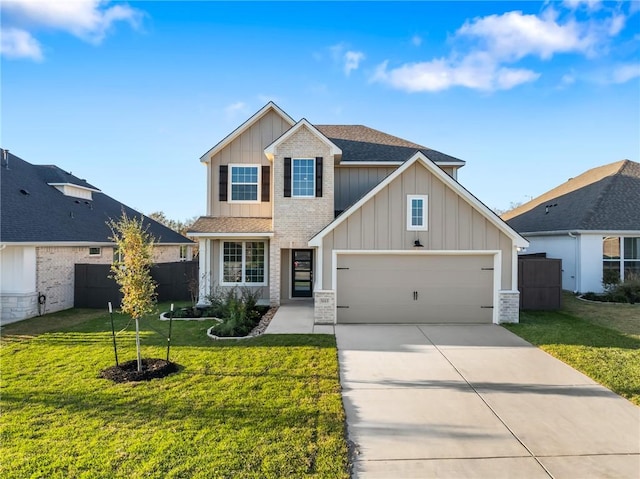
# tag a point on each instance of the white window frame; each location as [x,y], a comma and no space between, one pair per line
[95,255]
[244,261]
[293,175]
[230,183]
[622,261]
[425,213]
[184,248]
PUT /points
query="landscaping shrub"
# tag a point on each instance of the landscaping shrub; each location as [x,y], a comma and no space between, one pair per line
[239,312]
[627,291]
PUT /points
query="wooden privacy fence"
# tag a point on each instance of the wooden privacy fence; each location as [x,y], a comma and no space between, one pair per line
[94,289]
[539,282]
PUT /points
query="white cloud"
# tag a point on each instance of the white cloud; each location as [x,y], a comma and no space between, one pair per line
[588,4]
[441,74]
[349,60]
[624,73]
[89,20]
[513,36]
[16,43]
[488,47]
[352,61]
[235,108]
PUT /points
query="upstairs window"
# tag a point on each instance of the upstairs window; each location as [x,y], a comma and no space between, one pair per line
[244,183]
[417,213]
[304,176]
[95,251]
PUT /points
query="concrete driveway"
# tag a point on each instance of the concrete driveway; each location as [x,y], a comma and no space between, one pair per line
[477,401]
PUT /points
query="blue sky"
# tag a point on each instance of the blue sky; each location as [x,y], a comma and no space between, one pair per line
[130,95]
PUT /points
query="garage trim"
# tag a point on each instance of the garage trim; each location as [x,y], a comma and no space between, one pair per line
[497,270]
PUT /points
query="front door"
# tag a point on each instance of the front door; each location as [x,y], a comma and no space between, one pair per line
[302,273]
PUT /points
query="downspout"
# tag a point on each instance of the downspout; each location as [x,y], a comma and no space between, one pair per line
[575,262]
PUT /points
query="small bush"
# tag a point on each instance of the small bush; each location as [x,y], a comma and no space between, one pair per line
[239,312]
[627,291]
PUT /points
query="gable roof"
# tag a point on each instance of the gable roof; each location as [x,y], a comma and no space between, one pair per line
[606,198]
[363,144]
[244,127]
[34,211]
[419,157]
[269,150]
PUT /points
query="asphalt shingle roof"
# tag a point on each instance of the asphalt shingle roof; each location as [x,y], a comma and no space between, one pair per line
[210,224]
[361,143]
[601,199]
[32,211]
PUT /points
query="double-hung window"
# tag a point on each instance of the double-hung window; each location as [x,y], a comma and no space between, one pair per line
[417,213]
[244,182]
[243,262]
[620,258]
[304,177]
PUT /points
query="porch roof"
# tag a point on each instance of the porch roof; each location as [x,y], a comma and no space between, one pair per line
[226,226]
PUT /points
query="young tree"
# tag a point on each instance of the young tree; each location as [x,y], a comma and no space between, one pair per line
[132,271]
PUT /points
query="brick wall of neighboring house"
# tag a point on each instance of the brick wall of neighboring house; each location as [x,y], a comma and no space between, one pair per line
[55,270]
[296,220]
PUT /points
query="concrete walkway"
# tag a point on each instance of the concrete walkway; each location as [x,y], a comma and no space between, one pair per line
[474,402]
[296,317]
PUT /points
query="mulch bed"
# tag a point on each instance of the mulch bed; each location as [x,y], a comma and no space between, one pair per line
[151,369]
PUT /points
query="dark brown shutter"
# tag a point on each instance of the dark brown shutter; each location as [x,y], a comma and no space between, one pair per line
[224,178]
[318,177]
[287,177]
[266,183]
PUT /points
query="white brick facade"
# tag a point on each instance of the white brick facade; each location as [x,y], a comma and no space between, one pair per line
[296,220]
[509,304]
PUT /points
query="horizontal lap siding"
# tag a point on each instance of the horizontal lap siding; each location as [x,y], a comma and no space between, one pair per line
[453,224]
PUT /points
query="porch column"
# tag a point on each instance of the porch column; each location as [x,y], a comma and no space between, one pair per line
[204,270]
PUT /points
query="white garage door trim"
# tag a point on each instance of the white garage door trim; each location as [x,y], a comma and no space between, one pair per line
[497,267]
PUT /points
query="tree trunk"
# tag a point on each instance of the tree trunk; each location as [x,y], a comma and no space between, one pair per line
[138,346]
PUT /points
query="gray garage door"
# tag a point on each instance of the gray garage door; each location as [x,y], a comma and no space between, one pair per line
[414,289]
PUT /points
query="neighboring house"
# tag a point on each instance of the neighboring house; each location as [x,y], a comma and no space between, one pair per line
[373,227]
[591,222]
[51,220]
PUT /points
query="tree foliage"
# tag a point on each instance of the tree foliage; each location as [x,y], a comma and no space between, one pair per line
[132,272]
[176,225]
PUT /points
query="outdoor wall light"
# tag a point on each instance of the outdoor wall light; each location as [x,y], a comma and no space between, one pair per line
[417,244]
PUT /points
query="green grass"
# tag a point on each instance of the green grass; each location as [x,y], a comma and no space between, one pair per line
[577,335]
[264,407]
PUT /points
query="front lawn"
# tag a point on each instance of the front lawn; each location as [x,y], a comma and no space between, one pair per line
[577,335]
[264,407]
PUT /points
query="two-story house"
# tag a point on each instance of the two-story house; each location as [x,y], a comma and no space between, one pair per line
[374,228]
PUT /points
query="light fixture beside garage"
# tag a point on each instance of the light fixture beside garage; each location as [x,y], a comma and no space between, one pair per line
[417,244]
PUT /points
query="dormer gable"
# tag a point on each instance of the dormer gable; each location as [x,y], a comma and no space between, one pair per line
[269,151]
[75,191]
[269,107]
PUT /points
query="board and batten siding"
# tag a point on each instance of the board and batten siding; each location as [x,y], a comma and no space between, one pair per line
[381,224]
[353,182]
[248,148]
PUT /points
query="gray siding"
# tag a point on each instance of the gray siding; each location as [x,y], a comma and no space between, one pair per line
[353,182]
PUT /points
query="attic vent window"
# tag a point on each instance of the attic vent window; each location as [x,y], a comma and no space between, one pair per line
[95,251]
[24,192]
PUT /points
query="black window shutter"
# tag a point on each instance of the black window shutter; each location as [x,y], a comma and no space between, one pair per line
[266,183]
[287,177]
[318,177]
[224,178]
